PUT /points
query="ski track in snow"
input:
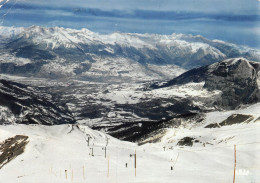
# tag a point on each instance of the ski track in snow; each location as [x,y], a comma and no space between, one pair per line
[54,149]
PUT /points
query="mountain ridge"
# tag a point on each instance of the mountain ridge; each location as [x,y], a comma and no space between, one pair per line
[83,49]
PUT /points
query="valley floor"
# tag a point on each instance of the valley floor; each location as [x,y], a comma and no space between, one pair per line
[59,154]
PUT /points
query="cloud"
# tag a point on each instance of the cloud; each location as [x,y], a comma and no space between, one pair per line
[133,14]
[237,6]
[229,20]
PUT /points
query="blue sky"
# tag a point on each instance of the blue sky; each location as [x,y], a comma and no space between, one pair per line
[235,21]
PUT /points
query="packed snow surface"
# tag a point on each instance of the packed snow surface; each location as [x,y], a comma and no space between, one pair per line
[54,150]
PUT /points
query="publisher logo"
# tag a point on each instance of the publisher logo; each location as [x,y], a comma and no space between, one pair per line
[242,172]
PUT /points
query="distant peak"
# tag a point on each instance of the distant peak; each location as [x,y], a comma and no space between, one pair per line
[235,63]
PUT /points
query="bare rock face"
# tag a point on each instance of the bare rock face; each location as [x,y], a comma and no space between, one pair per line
[231,120]
[11,148]
[186,141]
[237,79]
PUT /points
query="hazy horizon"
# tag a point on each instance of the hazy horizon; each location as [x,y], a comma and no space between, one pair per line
[235,21]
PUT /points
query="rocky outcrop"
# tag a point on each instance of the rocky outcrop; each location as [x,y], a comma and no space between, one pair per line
[11,148]
[231,120]
[237,79]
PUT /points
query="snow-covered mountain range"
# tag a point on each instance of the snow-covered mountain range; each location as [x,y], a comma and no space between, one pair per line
[183,100]
[58,52]
[108,80]
[120,108]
